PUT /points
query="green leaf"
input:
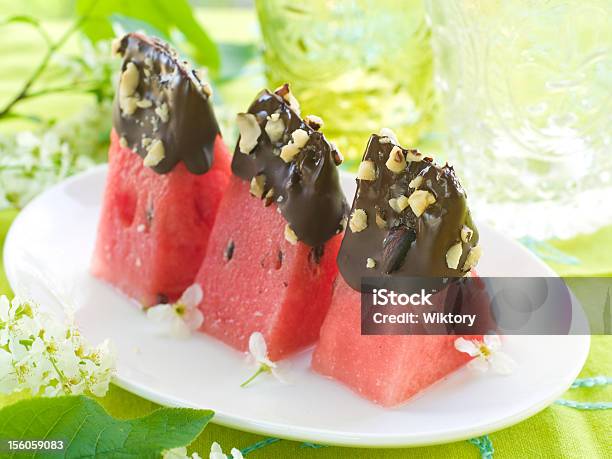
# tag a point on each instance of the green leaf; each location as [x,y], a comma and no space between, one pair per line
[162,15]
[89,431]
[126,24]
[234,58]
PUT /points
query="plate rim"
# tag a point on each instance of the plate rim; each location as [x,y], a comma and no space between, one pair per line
[327,437]
[342,439]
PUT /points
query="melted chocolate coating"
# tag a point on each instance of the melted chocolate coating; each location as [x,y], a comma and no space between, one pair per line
[307,189]
[191,129]
[407,245]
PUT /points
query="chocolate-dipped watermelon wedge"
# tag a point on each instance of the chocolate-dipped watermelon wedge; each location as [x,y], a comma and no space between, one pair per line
[409,218]
[271,259]
[168,168]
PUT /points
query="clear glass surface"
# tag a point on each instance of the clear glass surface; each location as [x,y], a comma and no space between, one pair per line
[526,94]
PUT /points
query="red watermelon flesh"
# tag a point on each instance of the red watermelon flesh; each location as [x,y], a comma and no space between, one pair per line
[154,228]
[255,280]
[387,370]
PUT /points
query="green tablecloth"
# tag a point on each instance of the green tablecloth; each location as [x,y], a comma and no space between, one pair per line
[556,432]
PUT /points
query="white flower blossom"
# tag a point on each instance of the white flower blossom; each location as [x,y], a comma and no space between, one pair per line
[6,313]
[179,453]
[217,453]
[31,161]
[487,354]
[182,317]
[39,355]
[258,352]
[8,377]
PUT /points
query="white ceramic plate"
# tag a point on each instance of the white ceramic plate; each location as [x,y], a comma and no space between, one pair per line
[47,255]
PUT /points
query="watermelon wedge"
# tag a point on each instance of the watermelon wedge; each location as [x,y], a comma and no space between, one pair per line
[387,370]
[409,218]
[255,280]
[168,168]
[270,262]
[154,229]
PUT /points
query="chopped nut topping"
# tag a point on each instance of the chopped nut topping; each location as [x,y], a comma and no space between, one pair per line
[144,103]
[123,143]
[128,105]
[419,200]
[116,47]
[338,158]
[396,162]
[314,122]
[269,197]
[414,155]
[466,234]
[257,185]
[249,132]
[380,222]
[155,154]
[416,182]
[399,204]
[288,152]
[366,171]
[389,134]
[290,235]
[299,138]
[453,255]
[207,89]
[359,220]
[370,263]
[285,92]
[275,127]
[162,112]
[472,258]
[127,89]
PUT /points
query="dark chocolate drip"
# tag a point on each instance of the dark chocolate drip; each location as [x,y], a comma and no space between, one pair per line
[307,189]
[404,244]
[180,115]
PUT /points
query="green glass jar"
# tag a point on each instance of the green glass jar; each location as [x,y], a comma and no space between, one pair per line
[360,65]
